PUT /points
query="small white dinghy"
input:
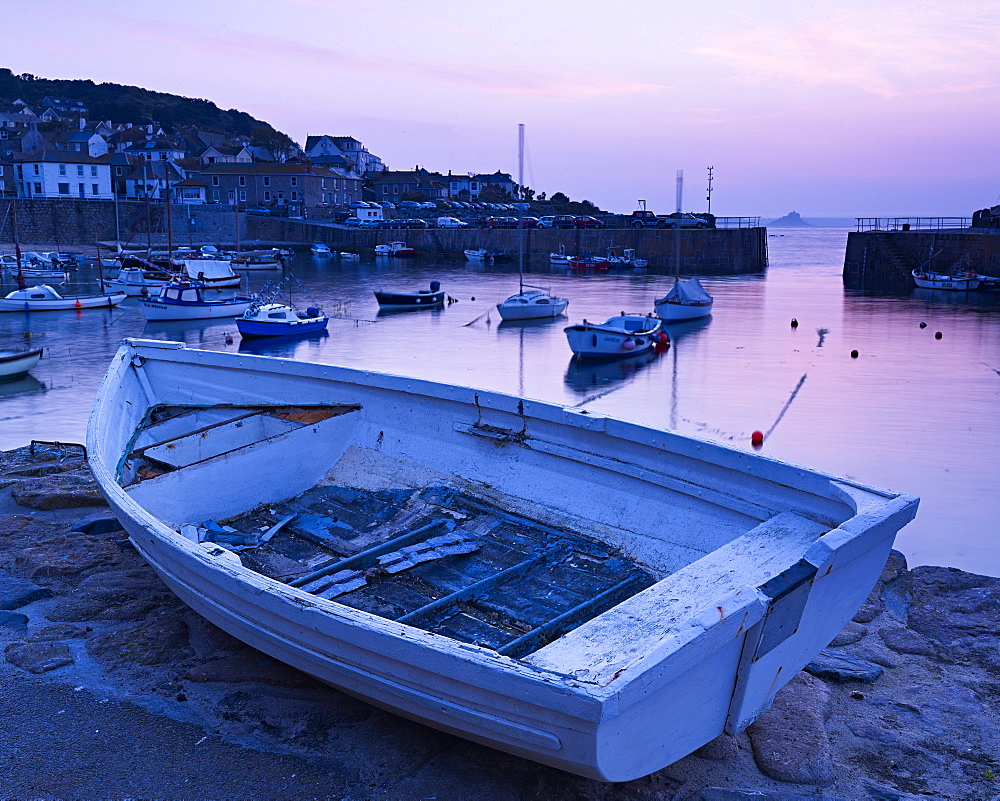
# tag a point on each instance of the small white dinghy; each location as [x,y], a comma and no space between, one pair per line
[45,298]
[591,594]
[622,335]
[16,363]
[686,300]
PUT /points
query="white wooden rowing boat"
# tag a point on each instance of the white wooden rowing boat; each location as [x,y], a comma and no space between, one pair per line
[621,335]
[16,363]
[588,593]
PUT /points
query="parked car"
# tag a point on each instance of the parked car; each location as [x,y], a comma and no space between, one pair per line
[385,204]
[358,204]
[501,222]
[546,221]
[260,211]
[451,222]
[528,222]
[587,222]
[408,204]
[415,223]
[353,222]
[370,224]
[564,221]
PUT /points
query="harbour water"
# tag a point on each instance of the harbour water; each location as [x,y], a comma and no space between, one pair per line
[912,412]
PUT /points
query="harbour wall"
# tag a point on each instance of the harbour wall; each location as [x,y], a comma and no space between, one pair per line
[64,223]
[712,251]
[886,259]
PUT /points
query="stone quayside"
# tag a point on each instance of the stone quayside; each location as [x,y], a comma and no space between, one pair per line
[902,704]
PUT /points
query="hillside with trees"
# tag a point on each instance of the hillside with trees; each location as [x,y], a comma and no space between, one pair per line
[132,104]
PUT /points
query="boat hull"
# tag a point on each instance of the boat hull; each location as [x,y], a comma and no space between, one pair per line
[63,304]
[262,328]
[410,300]
[699,653]
[15,364]
[158,310]
[674,312]
[531,308]
[953,283]
[604,341]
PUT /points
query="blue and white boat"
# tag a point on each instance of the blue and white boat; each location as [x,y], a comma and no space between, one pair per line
[185,300]
[319,249]
[623,335]
[280,319]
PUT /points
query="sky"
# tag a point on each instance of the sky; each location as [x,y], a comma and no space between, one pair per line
[853,108]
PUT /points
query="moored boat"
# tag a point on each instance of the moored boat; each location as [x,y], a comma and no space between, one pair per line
[348,256]
[319,249]
[686,300]
[185,300]
[15,364]
[588,261]
[476,254]
[957,282]
[595,595]
[622,335]
[138,278]
[45,298]
[213,273]
[531,304]
[560,259]
[270,259]
[280,319]
[626,259]
[398,249]
[418,299]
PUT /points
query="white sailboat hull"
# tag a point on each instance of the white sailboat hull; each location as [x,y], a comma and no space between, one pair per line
[699,652]
[531,306]
[668,311]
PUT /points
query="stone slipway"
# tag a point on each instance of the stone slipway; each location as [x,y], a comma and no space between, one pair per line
[111,688]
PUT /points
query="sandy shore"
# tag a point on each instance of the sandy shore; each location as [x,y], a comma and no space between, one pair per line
[111,688]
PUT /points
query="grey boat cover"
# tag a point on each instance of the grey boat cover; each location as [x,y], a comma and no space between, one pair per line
[689,291]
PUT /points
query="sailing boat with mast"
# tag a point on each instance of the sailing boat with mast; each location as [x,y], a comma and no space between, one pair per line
[532,303]
[687,300]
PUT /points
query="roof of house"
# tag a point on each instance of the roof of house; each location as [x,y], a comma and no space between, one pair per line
[268,168]
[59,157]
[190,182]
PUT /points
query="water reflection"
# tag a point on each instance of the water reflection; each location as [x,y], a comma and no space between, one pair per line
[285,345]
[26,385]
[584,376]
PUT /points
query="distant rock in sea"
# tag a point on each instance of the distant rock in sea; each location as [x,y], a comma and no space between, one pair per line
[790,220]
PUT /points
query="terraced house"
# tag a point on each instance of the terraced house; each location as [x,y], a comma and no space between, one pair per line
[62,174]
[275,185]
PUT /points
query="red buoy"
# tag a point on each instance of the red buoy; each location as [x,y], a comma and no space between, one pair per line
[757,438]
[938,335]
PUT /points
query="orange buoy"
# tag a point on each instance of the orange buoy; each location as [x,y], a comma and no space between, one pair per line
[757,438]
[78,304]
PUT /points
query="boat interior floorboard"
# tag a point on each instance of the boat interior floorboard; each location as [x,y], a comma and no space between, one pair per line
[437,559]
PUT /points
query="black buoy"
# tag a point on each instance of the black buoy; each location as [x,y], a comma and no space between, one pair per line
[472,299]
[854,354]
[938,335]
[923,325]
[795,323]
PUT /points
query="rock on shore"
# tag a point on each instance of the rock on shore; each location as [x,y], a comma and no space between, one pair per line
[903,704]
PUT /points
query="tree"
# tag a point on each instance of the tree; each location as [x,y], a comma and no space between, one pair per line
[559,197]
[280,145]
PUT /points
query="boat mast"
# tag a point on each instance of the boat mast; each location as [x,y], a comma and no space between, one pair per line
[170,238]
[678,229]
[520,211]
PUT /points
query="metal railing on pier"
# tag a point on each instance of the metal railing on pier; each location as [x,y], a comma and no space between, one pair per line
[911,223]
[737,222]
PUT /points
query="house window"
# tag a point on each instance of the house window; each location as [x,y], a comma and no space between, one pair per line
[36,169]
[267,180]
[267,196]
[295,181]
[63,188]
[79,169]
[93,189]
[322,182]
[1,170]
[295,195]
[62,169]
[243,196]
[80,190]
[93,172]
[119,170]
[215,195]
[243,180]
[215,182]
[38,189]
[385,189]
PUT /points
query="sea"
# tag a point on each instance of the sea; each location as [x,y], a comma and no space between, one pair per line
[897,389]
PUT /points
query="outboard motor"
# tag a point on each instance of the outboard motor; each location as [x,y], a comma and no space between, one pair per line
[312,311]
[435,286]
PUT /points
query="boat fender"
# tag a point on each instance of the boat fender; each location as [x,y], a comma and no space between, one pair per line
[435,286]
[78,304]
[312,311]
[628,344]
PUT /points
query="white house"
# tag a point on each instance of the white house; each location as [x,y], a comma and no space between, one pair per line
[62,174]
